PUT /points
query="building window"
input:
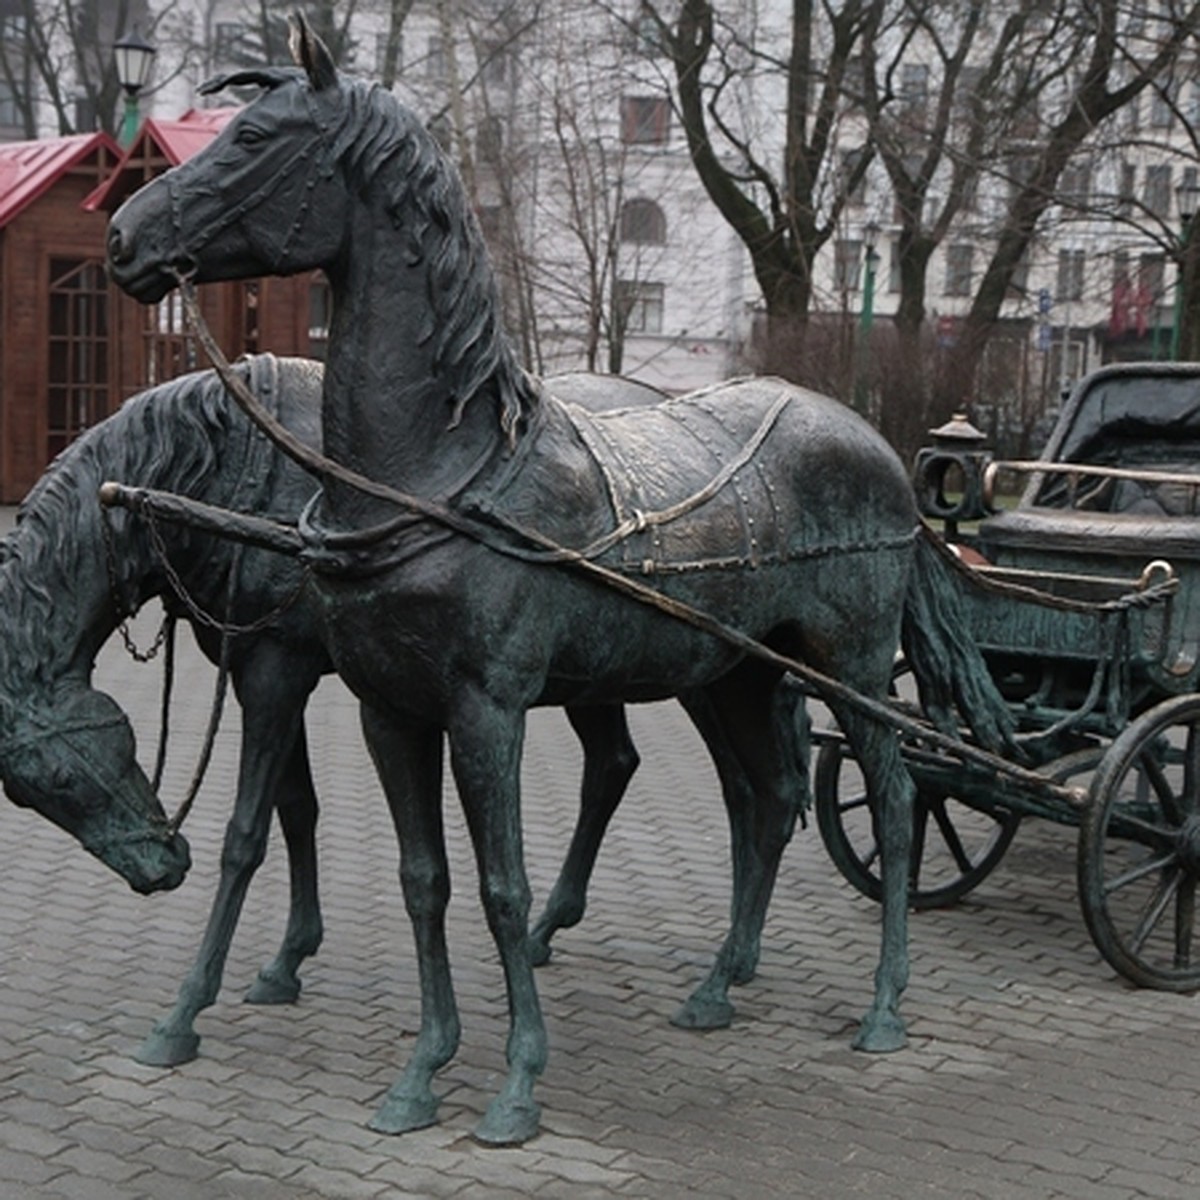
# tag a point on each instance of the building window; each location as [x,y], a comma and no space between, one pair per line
[228,39]
[77,375]
[381,53]
[893,275]
[854,179]
[435,60]
[1075,185]
[1018,285]
[645,120]
[640,306]
[1069,281]
[493,63]
[10,111]
[648,38]
[1158,190]
[12,26]
[847,259]
[1162,106]
[1127,188]
[489,140]
[959,269]
[914,90]
[1151,276]
[642,221]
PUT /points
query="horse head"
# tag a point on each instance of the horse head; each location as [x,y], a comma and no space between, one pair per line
[73,760]
[265,198]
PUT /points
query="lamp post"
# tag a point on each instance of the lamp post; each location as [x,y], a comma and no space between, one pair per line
[870,238]
[134,57]
[1187,197]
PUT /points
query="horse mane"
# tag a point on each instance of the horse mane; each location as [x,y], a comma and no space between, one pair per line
[167,437]
[382,140]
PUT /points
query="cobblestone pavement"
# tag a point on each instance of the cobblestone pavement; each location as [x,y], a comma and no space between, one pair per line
[1032,1070]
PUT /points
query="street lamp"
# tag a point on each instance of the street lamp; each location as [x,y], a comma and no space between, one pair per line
[134,57]
[1187,198]
[870,239]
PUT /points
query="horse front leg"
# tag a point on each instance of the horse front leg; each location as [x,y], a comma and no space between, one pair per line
[269,732]
[408,759]
[609,761]
[485,750]
[278,981]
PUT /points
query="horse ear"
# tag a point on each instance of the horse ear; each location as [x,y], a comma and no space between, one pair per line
[312,54]
[265,77]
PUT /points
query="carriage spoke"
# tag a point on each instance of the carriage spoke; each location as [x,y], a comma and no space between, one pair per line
[950,837]
[1154,910]
[1149,867]
[1191,773]
[1160,835]
[1185,920]
[850,805]
[917,848]
[1151,770]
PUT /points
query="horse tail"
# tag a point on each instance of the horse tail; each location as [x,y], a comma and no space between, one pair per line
[948,667]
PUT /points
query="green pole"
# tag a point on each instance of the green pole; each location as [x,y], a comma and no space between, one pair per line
[865,321]
[1181,278]
[129,124]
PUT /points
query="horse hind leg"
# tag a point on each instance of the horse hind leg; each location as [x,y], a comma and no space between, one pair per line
[891,793]
[278,981]
[756,734]
[609,761]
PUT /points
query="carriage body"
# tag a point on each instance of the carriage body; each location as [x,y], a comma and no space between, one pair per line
[1085,605]
[1092,537]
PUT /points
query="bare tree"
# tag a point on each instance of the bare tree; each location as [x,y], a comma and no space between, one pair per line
[1103,59]
[783,216]
[63,59]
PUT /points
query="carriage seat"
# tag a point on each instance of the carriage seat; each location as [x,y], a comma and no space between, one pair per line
[1139,535]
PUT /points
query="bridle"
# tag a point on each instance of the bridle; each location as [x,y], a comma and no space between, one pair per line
[65,732]
[317,158]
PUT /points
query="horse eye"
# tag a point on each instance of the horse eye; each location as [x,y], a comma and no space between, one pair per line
[249,136]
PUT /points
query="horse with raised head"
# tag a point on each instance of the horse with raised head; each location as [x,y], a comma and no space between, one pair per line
[775,512]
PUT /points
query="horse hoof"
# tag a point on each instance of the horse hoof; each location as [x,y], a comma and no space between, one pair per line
[404,1114]
[270,988]
[701,1013]
[881,1035]
[162,1049]
[508,1123]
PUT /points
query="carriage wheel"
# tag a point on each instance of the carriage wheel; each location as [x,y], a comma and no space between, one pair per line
[1139,849]
[955,847]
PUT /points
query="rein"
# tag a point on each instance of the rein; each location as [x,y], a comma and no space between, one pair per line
[165,639]
[547,551]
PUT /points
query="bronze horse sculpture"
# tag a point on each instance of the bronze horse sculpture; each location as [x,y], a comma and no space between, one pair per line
[187,436]
[774,510]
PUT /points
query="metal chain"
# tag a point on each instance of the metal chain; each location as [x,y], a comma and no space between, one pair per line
[123,608]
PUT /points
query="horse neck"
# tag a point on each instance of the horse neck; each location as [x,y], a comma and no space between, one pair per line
[72,572]
[387,409]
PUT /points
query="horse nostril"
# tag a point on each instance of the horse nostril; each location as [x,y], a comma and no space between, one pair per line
[118,252]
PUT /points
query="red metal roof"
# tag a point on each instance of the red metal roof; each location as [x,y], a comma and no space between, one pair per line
[170,142]
[27,169]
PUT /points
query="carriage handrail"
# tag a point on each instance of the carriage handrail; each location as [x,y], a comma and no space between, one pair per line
[1039,466]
